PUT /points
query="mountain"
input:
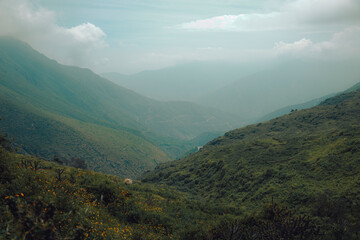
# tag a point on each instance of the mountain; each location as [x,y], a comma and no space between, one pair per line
[105,149]
[75,107]
[286,83]
[184,82]
[295,107]
[300,106]
[307,160]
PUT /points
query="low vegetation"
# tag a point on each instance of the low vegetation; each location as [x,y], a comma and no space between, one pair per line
[45,200]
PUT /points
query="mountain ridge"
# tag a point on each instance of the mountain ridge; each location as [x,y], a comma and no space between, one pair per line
[285,84]
[309,104]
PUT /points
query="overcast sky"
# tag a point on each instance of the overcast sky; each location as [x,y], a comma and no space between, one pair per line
[128,36]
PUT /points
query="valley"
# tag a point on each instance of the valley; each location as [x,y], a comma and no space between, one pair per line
[95,114]
[82,157]
[294,176]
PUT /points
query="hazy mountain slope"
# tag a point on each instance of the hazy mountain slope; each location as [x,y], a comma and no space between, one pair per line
[288,109]
[294,159]
[308,104]
[83,95]
[287,84]
[105,149]
[78,94]
[185,82]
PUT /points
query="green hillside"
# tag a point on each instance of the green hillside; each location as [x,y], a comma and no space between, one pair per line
[58,108]
[307,160]
[43,200]
[105,149]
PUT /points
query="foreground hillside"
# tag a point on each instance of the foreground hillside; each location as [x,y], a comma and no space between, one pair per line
[44,200]
[307,160]
[50,109]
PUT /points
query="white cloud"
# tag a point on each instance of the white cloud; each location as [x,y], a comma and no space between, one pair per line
[225,22]
[342,45]
[242,22]
[87,32]
[299,13]
[37,26]
[303,45]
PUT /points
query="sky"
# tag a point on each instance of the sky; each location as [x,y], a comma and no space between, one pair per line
[129,36]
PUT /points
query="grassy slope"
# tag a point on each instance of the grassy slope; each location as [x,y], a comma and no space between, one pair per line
[294,159]
[82,204]
[43,200]
[105,149]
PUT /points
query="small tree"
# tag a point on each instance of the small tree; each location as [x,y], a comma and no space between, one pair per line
[59,173]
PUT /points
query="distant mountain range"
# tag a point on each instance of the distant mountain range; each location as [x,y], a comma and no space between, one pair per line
[309,104]
[185,82]
[248,91]
[69,111]
[287,84]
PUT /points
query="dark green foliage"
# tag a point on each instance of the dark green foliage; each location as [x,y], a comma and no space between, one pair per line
[78,163]
[57,202]
[72,162]
[34,221]
[4,142]
[276,223]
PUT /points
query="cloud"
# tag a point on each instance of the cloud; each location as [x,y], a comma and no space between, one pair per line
[303,45]
[86,33]
[242,22]
[37,26]
[325,11]
[225,22]
[343,45]
[300,13]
